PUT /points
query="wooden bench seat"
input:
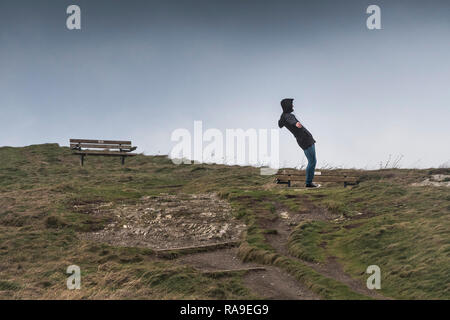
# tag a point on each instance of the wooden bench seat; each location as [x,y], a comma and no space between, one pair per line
[289,176]
[112,148]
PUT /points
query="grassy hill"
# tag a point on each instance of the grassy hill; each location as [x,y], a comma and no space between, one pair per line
[48,202]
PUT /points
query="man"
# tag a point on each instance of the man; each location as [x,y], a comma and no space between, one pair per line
[304,138]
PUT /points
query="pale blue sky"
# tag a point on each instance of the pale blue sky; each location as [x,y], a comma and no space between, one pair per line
[141,69]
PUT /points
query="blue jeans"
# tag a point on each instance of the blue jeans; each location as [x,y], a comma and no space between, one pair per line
[311,156]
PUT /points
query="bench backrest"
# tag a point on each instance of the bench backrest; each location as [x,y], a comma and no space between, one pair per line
[77,144]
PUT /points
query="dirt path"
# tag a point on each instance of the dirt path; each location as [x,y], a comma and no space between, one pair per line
[270,283]
[332,268]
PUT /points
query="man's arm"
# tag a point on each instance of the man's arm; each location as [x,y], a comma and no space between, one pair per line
[292,120]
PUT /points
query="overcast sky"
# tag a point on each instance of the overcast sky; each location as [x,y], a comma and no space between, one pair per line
[140,69]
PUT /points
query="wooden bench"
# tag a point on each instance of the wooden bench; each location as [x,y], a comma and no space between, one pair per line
[288,176]
[102,148]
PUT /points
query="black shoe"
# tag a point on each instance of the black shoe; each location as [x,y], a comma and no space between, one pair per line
[312,185]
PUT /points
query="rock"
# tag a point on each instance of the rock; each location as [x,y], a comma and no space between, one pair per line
[284,215]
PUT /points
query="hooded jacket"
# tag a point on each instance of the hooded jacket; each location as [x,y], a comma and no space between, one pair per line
[288,120]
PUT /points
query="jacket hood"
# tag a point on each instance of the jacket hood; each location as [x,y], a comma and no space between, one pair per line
[287,106]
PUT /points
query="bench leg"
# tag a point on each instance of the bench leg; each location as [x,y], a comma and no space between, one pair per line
[81,159]
[289,183]
[123,160]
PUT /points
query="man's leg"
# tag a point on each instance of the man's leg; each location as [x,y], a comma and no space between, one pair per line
[311,156]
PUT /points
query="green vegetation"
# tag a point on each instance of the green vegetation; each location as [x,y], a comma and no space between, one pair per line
[305,242]
[383,221]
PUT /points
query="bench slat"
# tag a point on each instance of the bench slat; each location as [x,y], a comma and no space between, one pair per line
[101,146]
[104,153]
[323,172]
[99,141]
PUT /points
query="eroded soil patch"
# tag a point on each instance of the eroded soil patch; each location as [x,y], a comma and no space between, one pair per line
[436,180]
[167,221]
